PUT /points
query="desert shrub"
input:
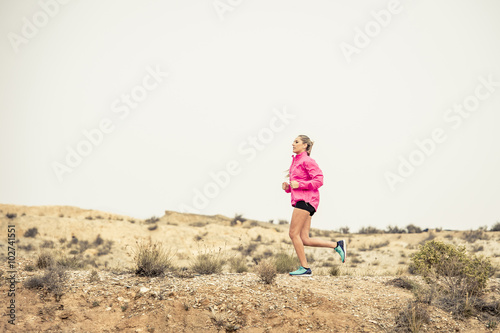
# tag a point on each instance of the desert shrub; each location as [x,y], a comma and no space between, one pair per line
[460,273]
[151,259]
[31,232]
[283,222]
[266,270]
[94,276]
[152,220]
[153,227]
[11,216]
[209,262]
[236,218]
[370,230]
[495,227]
[413,229]
[344,230]
[198,224]
[238,265]
[395,230]
[53,280]
[74,240]
[98,240]
[71,262]
[473,235]
[285,263]
[413,318]
[373,246]
[247,250]
[104,248]
[334,270]
[83,246]
[89,218]
[45,260]
[404,283]
[28,247]
[47,244]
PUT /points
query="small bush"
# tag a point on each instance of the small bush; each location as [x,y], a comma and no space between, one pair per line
[373,246]
[460,273]
[266,270]
[151,259]
[403,283]
[473,235]
[28,247]
[344,230]
[495,227]
[334,270]
[53,280]
[283,222]
[247,250]
[238,265]
[89,218]
[47,244]
[71,262]
[395,230]
[32,232]
[104,248]
[413,318]
[370,230]
[11,216]
[152,220]
[209,262]
[98,240]
[413,229]
[286,263]
[153,227]
[94,276]
[236,218]
[45,260]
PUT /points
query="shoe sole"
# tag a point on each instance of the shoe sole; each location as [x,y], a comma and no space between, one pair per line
[345,250]
[301,275]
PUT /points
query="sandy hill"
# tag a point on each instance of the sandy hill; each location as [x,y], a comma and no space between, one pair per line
[106,296]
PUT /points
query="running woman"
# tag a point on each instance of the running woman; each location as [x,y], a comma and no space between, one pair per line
[305,179]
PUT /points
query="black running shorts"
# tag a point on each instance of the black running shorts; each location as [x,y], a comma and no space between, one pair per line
[305,206]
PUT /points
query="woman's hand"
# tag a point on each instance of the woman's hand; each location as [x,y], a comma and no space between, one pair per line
[285,186]
[294,184]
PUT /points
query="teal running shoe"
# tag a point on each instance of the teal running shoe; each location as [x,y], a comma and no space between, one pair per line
[342,250]
[302,272]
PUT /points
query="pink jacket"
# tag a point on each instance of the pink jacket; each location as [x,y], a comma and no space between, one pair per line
[307,173]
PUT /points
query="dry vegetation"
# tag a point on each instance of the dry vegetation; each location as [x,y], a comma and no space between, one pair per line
[83,270]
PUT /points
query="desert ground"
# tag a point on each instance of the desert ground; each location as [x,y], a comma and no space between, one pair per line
[104,294]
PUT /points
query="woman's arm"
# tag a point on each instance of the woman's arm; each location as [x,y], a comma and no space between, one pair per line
[316,175]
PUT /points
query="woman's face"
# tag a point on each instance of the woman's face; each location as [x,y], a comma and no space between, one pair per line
[298,146]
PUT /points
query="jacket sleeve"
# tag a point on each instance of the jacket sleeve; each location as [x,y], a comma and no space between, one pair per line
[316,175]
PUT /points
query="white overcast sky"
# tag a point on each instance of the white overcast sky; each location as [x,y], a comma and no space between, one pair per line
[225,70]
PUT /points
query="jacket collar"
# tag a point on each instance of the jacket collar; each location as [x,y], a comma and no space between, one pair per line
[299,156]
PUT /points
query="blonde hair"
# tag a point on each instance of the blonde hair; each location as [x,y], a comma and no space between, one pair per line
[305,139]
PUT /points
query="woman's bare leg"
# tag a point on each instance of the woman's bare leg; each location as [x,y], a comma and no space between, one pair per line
[315,242]
[299,220]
